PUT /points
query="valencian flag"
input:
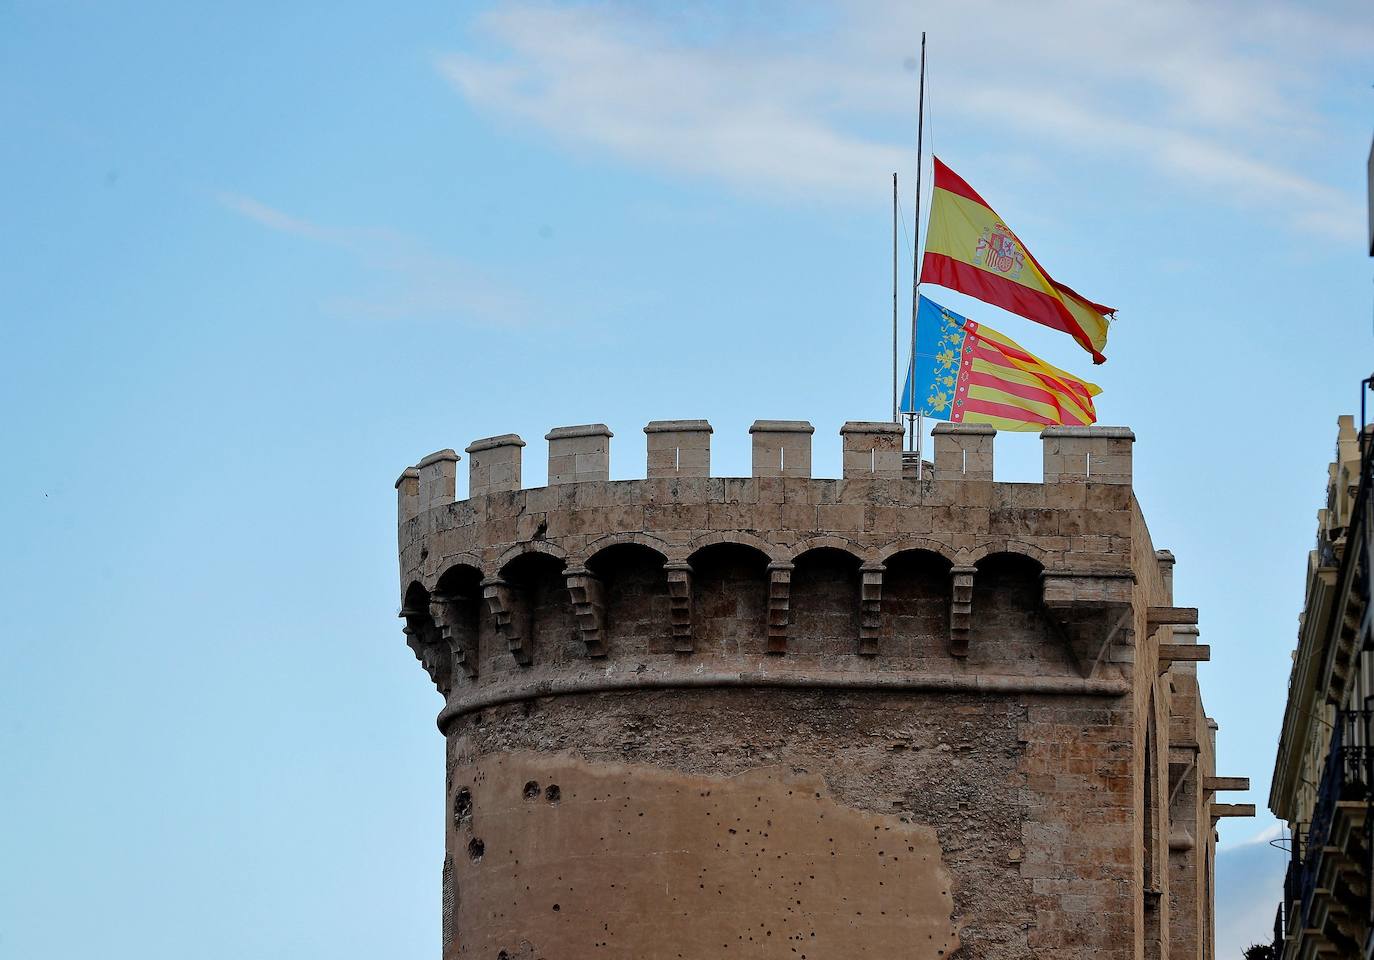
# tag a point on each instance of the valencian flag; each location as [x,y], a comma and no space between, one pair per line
[969,373]
[970,249]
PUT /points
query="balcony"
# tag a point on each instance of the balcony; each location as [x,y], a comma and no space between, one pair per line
[1327,907]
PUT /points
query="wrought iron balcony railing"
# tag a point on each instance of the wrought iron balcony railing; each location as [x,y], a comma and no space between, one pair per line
[1348,773]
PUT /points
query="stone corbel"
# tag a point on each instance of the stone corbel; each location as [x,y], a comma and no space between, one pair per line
[870,607]
[680,603]
[1180,840]
[779,605]
[1089,608]
[423,641]
[1171,653]
[1219,810]
[455,631]
[502,602]
[960,609]
[1156,617]
[589,607]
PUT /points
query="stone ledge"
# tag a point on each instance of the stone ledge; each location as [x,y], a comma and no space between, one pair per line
[781,426]
[968,429]
[867,426]
[678,426]
[581,430]
[1106,433]
[439,456]
[610,681]
[491,443]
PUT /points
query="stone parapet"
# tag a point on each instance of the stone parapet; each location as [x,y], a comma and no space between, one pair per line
[872,449]
[438,479]
[494,464]
[1078,454]
[408,494]
[678,448]
[782,448]
[707,552]
[963,450]
[1089,526]
[579,454]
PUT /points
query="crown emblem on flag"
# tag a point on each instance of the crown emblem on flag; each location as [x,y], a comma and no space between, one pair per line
[999,250]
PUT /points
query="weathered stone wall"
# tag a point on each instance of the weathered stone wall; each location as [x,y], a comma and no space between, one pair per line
[836,823]
[786,716]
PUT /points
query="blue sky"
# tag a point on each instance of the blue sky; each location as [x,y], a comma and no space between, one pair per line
[255,259]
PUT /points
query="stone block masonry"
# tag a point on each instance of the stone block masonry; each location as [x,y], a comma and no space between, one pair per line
[494,464]
[578,454]
[679,448]
[783,717]
[782,448]
[872,449]
[963,450]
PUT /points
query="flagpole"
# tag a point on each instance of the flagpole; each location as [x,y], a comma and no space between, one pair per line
[895,417]
[915,421]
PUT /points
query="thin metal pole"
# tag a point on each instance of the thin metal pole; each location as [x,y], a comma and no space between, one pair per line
[917,424]
[895,387]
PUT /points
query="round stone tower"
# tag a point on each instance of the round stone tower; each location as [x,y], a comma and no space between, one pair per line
[786,717]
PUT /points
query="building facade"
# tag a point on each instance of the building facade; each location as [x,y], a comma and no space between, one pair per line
[1324,769]
[787,717]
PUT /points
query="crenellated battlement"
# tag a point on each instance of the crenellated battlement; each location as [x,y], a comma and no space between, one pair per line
[872,579]
[781,448]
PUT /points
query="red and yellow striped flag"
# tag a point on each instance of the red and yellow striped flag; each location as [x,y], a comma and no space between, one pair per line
[969,373]
[970,249]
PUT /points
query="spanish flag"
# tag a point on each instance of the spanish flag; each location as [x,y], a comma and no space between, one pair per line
[969,373]
[970,249]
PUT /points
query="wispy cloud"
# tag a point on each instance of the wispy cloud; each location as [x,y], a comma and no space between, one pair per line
[415,280]
[590,79]
[274,219]
[1220,98]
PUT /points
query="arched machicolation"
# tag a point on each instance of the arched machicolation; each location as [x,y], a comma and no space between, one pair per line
[876,578]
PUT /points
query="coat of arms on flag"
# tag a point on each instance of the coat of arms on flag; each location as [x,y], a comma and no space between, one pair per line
[998,249]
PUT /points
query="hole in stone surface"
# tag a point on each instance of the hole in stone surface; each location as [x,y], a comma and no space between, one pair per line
[556,908]
[551,793]
[475,849]
[532,790]
[462,807]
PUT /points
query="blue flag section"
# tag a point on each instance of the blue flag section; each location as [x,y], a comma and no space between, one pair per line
[939,346]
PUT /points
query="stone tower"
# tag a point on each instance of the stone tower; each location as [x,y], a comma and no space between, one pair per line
[784,717]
